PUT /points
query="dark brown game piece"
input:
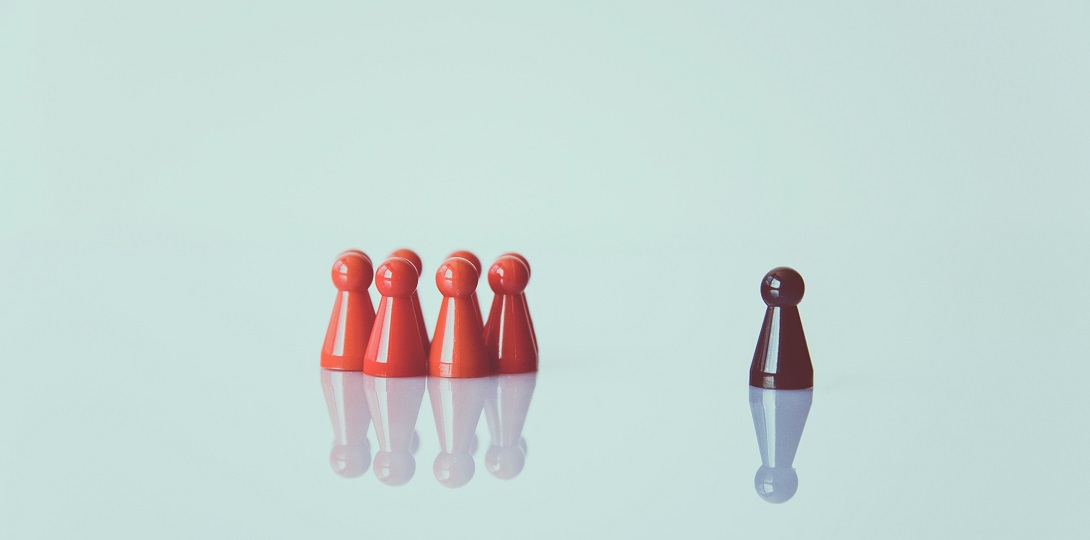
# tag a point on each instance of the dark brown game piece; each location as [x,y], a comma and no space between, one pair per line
[782,360]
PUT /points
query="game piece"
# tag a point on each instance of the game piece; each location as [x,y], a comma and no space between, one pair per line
[396,405]
[395,349]
[457,406]
[527,263]
[458,348]
[350,416]
[508,334]
[778,418]
[505,411]
[782,360]
[353,313]
[477,265]
[412,257]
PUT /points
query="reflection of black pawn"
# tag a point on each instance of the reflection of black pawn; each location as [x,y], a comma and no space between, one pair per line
[505,412]
[782,360]
[350,416]
[778,417]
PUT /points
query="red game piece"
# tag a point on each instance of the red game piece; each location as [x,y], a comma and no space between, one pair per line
[412,257]
[782,360]
[350,416]
[396,349]
[477,265]
[457,406]
[509,334]
[505,412]
[528,273]
[458,349]
[396,406]
[353,313]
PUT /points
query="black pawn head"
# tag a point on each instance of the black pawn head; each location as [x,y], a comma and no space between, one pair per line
[782,287]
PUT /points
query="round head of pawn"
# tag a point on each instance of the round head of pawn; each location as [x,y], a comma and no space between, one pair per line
[469,257]
[456,277]
[453,470]
[776,485]
[782,287]
[350,460]
[396,277]
[505,462]
[508,275]
[352,271]
[519,257]
[410,256]
[394,468]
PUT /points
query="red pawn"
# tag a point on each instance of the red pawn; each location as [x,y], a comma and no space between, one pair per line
[509,333]
[396,349]
[353,313]
[476,265]
[412,257]
[458,349]
[528,274]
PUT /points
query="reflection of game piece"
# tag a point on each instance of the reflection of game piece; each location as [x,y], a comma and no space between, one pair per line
[527,263]
[508,334]
[782,360]
[412,257]
[457,405]
[458,348]
[396,349]
[350,416]
[353,313]
[396,405]
[778,417]
[480,270]
[505,410]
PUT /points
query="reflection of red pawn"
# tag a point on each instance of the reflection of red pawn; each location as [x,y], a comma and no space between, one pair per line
[396,349]
[509,333]
[457,406]
[412,257]
[396,403]
[353,313]
[350,416]
[528,273]
[505,412]
[458,348]
[476,265]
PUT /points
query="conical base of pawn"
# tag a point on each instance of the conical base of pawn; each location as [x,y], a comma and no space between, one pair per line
[782,359]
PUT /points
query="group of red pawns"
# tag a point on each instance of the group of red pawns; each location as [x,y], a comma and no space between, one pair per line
[393,342]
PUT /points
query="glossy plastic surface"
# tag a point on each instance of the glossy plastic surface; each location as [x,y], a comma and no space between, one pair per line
[350,416]
[353,313]
[458,348]
[509,333]
[396,348]
[779,417]
[457,405]
[505,411]
[476,262]
[412,257]
[525,261]
[396,406]
[782,359]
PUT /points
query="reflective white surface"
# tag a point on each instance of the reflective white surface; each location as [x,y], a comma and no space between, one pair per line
[175,181]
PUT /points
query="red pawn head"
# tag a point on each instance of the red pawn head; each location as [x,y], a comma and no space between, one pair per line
[458,348]
[463,254]
[396,278]
[410,256]
[508,275]
[519,257]
[353,313]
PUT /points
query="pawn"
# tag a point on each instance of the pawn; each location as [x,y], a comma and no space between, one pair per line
[457,406]
[509,333]
[505,412]
[476,265]
[782,360]
[353,313]
[779,417]
[458,349]
[396,349]
[396,406]
[350,416]
[527,263]
[412,257]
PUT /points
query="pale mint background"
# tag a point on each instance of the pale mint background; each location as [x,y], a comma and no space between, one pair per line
[176,178]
